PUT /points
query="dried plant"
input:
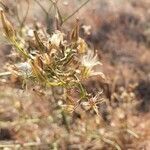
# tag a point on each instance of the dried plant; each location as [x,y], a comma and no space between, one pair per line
[57,61]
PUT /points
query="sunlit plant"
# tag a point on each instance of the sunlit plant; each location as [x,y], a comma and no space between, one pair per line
[57,61]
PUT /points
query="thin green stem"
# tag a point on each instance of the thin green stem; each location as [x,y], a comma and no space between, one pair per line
[67,18]
[40,5]
[23,52]
[83,91]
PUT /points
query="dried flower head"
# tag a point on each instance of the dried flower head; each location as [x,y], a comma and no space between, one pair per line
[24,68]
[89,61]
[93,102]
[56,38]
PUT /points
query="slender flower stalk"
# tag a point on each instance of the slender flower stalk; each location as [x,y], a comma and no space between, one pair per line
[10,34]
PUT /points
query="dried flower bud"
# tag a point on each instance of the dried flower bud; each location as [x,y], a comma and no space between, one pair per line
[8,28]
[82,46]
[41,46]
[38,62]
[37,71]
[75,32]
[46,59]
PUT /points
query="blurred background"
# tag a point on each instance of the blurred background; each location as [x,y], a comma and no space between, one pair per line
[120,31]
